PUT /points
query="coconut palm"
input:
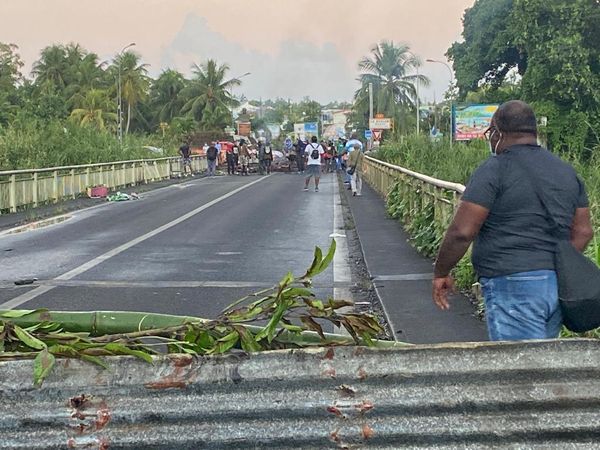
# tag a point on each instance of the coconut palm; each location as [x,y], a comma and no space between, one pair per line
[208,95]
[390,69]
[93,109]
[165,94]
[134,81]
[52,67]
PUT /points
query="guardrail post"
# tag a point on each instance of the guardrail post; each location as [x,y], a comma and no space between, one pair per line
[55,195]
[101,176]
[113,177]
[72,183]
[87,178]
[12,201]
[144,168]
[34,191]
[154,171]
[123,175]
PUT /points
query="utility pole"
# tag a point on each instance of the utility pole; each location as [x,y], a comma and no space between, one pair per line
[450,130]
[370,113]
[120,100]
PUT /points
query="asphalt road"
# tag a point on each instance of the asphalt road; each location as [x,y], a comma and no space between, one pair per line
[186,249]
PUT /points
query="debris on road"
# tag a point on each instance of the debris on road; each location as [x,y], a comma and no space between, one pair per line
[121,197]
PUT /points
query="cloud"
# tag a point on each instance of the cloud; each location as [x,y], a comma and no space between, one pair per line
[297,69]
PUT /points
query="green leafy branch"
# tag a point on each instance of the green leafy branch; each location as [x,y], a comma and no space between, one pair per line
[293,315]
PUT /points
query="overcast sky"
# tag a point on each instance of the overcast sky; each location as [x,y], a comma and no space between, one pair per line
[293,48]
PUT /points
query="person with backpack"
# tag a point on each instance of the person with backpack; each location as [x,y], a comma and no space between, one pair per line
[314,151]
[355,170]
[211,158]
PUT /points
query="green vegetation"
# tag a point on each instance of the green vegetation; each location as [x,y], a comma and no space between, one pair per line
[292,313]
[545,53]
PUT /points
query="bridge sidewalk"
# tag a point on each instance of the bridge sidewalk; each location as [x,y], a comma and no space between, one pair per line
[403,279]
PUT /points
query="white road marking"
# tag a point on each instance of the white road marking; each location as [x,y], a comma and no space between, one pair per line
[155,284]
[228,253]
[17,301]
[342,276]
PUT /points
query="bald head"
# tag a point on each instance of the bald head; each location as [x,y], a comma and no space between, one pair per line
[515,117]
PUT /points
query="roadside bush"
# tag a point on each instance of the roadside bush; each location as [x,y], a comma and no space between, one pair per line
[34,143]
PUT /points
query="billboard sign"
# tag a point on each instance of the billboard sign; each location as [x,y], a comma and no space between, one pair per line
[306,129]
[380,124]
[471,121]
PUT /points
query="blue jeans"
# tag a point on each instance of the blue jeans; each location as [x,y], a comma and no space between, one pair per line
[522,306]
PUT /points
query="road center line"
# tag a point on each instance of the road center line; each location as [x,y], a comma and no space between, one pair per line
[17,301]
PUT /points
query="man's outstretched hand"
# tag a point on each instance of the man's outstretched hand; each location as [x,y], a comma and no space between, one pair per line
[441,288]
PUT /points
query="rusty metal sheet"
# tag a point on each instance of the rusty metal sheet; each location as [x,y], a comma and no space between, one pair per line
[542,394]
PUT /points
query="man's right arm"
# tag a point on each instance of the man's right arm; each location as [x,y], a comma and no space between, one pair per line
[581,229]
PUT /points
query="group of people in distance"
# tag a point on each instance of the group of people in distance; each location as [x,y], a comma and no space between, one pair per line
[311,158]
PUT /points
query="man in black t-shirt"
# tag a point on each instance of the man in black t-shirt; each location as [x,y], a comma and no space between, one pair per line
[211,158]
[513,249]
[186,161]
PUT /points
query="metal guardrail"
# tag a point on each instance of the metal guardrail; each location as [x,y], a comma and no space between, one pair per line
[543,394]
[32,187]
[420,191]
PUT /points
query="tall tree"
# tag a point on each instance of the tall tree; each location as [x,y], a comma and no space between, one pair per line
[165,91]
[392,70]
[488,51]
[134,81]
[208,95]
[94,109]
[52,69]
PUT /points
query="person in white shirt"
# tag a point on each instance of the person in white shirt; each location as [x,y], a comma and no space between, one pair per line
[313,152]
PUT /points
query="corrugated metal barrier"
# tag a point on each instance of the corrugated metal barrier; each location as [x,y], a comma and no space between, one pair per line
[542,394]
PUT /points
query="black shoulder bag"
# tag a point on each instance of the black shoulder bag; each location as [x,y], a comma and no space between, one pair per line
[578,277]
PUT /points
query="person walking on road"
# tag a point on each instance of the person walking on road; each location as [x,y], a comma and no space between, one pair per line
[230,157]
[244,158]
[514,244]
[268,157]
[300,154]
[313,163]
[349,147]
[211,158]
[355,170]
[260,149]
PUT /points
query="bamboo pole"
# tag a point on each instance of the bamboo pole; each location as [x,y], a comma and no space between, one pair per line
[100,323]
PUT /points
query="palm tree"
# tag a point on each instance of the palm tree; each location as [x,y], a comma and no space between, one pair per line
[388,68]
[165,94]
[88,74]
[52,67]
[94,109]
[208,96]
[134,81]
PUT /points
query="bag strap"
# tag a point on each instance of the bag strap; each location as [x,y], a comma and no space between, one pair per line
[527,170]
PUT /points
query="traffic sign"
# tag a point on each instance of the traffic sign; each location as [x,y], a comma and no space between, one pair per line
[377,135]
[368,134]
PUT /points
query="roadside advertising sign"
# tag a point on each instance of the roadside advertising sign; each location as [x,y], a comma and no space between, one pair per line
[471,121]
[380,124]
